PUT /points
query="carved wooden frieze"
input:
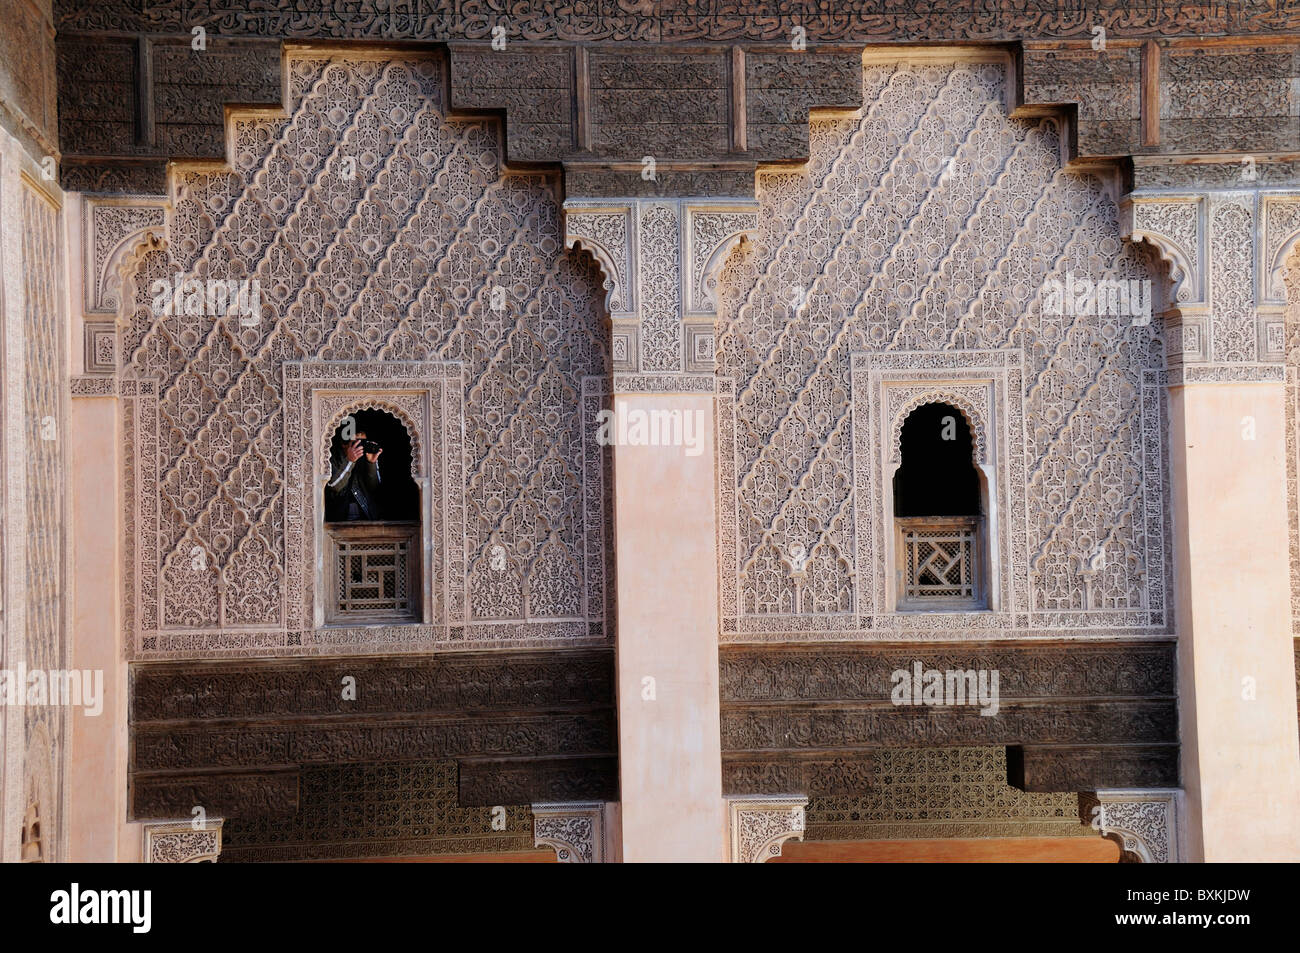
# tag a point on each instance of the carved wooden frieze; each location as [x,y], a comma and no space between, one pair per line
[235,737]
[1226,99]
[1078,767]
[858,20]
[815,720]
[942,792]
[604,87]
[524,780]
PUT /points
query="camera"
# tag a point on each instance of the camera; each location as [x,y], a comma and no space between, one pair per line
[370,446]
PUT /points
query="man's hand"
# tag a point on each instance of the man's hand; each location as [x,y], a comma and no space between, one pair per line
[355,450]
[374,457]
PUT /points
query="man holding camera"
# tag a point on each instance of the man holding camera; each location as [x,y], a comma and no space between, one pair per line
[353,488]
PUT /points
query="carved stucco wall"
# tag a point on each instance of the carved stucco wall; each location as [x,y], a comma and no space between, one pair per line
[44,458]
[1291,284]
[33,525]
[908,257]
[386,276]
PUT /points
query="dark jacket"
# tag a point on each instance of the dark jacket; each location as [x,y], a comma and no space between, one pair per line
[353,494]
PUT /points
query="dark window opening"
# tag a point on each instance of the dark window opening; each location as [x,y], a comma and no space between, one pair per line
[372,523]
[937,476]
[938,513]
[377,491]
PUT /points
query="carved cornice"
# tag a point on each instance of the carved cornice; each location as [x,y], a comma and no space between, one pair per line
[759,826]
[576,830]
[86,386]
[181,842]
[1147,824]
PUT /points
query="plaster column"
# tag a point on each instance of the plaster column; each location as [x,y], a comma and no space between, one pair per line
[1240,750]
[101,233]
[670,754]
[97,768]
[660,258]
[1237,706]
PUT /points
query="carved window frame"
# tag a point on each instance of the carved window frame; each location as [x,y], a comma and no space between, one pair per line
[426,397]
[986,386]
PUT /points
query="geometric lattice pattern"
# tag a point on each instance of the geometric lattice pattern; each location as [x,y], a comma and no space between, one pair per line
[377,810]
[373,577]
[943,792]
[940,561]
[380,231]
[928,224]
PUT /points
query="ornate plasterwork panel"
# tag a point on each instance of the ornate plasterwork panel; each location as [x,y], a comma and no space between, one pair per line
[1147,824]
[182,843]
[1279,228]
[759,826]
[383,235]
[987,389]
[920,238]
[576,830]
[1226,252]
[661,259]
[33,517]
[1292,407]
[1174,226]
[112,228]
[1280,216]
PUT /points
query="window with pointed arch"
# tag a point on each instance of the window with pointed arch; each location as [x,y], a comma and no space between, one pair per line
[372,522]
[940,514]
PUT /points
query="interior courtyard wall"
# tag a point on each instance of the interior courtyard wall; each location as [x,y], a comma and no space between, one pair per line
[908,260]
[390,248]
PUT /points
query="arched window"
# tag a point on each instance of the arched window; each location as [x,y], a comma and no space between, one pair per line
[372,522]
[31,850]
[939,513]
